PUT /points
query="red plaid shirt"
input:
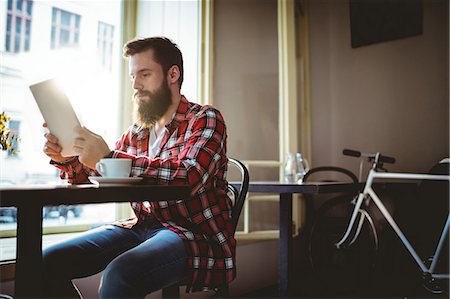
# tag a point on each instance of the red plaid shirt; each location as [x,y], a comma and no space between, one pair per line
[193,153]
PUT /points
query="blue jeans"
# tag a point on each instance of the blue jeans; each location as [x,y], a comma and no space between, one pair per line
[135,261]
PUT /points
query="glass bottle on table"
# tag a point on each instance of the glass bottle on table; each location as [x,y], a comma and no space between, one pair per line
[302,167]
[290,169]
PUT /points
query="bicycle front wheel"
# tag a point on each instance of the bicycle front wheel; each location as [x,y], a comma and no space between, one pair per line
[347,270]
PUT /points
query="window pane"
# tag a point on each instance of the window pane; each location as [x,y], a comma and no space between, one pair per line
[8,42]
[65,18]
[27,43]
[77,22]
[53,37]
[64,37]
[99,41]
[9,23]
[29,8]
[19,4]
[264,215]
[28,28]
[8,33]
[10,5]
[18,25]
[17,36]
[54,13]
[78,214]
[8,216]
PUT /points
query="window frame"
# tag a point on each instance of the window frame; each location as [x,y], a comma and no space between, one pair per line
[57,27]
[12,15]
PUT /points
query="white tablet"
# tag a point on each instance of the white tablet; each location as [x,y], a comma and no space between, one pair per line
[58,113]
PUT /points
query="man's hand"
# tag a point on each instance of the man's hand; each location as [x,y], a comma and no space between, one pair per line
[89,146]
[53,149]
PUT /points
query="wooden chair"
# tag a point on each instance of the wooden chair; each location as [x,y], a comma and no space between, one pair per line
[238,197]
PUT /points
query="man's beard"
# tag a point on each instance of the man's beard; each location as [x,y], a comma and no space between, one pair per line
[155,106]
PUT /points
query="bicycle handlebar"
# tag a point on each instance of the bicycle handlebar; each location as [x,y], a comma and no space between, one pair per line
[381,158]
[352,153]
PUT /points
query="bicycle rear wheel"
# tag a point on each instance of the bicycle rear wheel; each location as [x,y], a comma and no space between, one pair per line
[347,270]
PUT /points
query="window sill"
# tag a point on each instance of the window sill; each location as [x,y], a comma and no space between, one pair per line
[257,236]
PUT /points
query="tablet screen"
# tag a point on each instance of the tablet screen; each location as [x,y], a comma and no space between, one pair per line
[58,113]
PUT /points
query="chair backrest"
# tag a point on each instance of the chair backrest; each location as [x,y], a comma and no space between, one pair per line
[322,174]
[328,169]
[241,194]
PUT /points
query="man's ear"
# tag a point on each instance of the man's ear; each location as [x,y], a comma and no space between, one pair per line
[173,74]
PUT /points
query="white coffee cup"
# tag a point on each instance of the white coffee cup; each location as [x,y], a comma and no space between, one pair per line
[114,168]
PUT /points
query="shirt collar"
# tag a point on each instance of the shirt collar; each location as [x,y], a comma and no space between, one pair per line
[180,114]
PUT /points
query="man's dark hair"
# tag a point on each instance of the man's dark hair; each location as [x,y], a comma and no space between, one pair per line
[165,52]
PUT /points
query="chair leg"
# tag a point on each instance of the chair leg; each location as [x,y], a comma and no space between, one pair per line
[172,291]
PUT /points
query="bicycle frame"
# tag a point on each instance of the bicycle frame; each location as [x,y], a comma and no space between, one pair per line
[368,192]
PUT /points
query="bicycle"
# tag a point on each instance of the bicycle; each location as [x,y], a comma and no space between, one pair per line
[342,269]
[331,253]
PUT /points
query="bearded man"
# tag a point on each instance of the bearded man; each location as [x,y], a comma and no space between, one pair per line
[172,142]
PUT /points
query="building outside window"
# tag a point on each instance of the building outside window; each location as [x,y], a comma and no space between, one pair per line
[65,28]
[18,25]
[105,43]
[63,47]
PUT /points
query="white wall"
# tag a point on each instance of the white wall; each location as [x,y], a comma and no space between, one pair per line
[391,97]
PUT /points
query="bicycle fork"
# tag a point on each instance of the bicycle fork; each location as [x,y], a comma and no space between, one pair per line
[356,210]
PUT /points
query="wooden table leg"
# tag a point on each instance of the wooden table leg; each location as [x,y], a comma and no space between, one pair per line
[286,260]
[29,252]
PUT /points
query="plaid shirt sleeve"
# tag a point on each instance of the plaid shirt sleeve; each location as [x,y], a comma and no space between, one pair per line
[74,172]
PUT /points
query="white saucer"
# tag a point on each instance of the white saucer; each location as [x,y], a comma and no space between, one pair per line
[114,181]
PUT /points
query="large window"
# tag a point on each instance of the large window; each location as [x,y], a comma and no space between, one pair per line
[18,25]
[78,42]
[63,46]
[65,28]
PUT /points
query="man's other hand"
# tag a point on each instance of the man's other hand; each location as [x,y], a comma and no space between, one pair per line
[52,148]
[89,146]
